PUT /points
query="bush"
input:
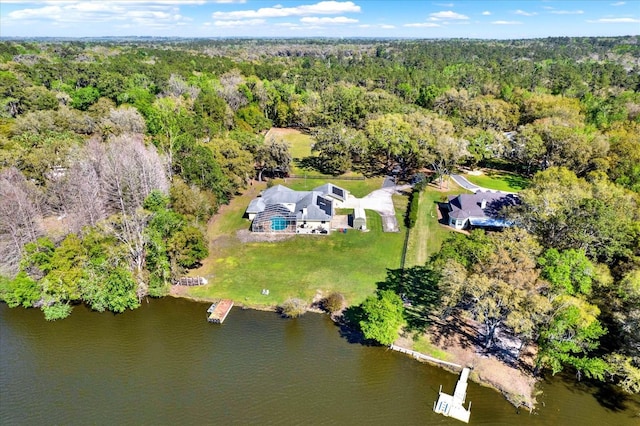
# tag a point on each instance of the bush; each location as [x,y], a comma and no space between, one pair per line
[292,308]
[56,311]
[412,211]
[333,302]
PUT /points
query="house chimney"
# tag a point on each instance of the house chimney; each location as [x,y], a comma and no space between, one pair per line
[483,204]
[304,212]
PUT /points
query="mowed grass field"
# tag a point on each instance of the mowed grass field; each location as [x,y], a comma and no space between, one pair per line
[427,235]
[301,266]
[300,145]
[499,180]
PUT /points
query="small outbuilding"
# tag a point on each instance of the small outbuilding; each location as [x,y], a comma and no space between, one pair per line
[359,219]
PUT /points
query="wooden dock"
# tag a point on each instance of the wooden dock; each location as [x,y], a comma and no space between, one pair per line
[421,356]
[452,405]
[218,311]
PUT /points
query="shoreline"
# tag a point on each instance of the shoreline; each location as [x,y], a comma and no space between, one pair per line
[478,369]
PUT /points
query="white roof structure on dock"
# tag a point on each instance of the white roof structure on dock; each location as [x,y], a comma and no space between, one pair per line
[452,405]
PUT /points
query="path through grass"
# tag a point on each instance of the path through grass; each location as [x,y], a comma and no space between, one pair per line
[426,237]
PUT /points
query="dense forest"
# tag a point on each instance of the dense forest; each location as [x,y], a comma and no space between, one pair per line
[115,153]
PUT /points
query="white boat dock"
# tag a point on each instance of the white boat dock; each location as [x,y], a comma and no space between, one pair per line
[452,405]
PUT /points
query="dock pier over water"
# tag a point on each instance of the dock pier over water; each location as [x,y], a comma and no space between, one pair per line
[218,311]
[452,405]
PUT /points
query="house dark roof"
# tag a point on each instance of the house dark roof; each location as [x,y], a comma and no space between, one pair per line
[307,205]
[333,191]
[314,207]
[482,208]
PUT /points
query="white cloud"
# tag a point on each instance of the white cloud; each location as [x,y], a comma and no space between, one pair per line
[325,20]
[486,13]
[444,4]
[506,23]
[279,11]
[619,3]
[422,25]
[128,2]
[383,26]
[239,23]
[524,13]
[288,25]
[152,13]
[447,14]
[614,21]
[50,12]
[567,12]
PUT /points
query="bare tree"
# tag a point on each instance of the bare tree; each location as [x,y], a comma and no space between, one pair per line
[229,89]
[449,151]
[123,120]
[83,200]
[19,218]
[129,171]
[178,87]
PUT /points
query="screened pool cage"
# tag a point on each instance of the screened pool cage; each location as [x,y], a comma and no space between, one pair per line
[275,218]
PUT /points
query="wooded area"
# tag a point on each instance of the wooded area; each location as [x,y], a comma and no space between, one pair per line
[115,153]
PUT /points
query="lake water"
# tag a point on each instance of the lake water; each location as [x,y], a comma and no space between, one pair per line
[164,364]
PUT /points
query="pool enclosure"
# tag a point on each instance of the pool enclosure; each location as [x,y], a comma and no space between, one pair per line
[275,218]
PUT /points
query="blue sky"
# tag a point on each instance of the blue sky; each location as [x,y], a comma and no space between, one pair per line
[309,18]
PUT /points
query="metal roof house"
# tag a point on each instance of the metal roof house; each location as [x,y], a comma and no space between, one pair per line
[282,210]
[482,209]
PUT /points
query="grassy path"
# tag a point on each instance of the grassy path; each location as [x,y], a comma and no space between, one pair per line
[426,237]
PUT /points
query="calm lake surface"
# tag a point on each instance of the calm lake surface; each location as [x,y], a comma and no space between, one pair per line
[164,364]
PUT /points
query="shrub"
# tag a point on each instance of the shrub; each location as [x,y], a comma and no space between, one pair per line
[412,211]
[56,311]
[292,308]
[333,302]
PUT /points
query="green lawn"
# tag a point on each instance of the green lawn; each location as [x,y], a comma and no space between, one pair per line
[498,180]
[427,235]
[359,188]
[300,148]
[350,263]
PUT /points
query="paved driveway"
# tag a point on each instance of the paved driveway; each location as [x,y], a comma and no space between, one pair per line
[380,201]
[463,182]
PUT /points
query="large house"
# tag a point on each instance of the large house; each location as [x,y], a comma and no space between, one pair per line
[282,210]
[482,209]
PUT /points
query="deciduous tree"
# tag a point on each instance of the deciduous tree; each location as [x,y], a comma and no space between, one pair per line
[383,317]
